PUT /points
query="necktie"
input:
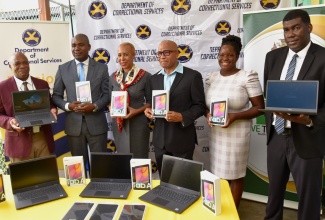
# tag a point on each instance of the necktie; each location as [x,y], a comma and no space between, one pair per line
[25,86]
[279,122]
[81,72]
[3,166]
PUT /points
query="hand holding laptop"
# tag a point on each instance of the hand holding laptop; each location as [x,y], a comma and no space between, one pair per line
[296,118]
[15,125]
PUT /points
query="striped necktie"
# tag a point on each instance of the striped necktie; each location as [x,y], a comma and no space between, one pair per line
[279,122]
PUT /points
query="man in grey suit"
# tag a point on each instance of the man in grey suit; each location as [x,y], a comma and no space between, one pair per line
[299,146]
[176,135]
[85,123]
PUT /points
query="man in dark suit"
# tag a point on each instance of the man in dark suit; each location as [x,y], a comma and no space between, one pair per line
[85,122]
[299,147]
[23,143]
[176,135]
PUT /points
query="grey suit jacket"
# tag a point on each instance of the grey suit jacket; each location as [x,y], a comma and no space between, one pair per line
[309,142]
[65,79]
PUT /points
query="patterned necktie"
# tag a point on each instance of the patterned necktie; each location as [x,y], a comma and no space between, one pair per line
[81,72]
[25,86]
[3,166]
[279,122]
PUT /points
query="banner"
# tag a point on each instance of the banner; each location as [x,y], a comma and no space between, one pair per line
[46,45]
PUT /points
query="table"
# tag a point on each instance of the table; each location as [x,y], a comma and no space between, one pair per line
[56,209]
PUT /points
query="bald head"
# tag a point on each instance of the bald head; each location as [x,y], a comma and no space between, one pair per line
[18,63]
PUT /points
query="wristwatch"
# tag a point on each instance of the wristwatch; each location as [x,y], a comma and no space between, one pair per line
[96,107]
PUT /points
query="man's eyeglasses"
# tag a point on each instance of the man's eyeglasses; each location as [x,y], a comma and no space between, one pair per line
[23,63]
[165,53]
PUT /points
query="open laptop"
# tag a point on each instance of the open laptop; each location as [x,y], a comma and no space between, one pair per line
[32,107]
[110,176]
[35,181]
[180,178]
[294,97]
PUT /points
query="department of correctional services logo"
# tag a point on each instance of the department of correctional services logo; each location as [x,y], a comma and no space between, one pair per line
[31,37]
[101,55]
[223,28]
[181,7]
[97,10]
[185,53]
[143,32]
[269,4]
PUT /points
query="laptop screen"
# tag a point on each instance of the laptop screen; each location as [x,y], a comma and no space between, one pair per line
[33,172]
[31,101]
[300,94]
[181,172]
[110,165]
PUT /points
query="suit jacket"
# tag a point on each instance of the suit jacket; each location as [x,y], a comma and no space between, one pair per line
[186,97]
[309,142]
[65,79]
[19,144]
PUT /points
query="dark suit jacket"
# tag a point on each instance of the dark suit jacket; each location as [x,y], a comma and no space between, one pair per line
[186,97]
[65,79]
[19,144]
[309,142]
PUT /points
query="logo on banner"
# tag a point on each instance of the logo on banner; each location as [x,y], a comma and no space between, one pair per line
[101,55]
[185,53]
[223,28]
[269,4]
[259,127]
[31,37]
[181,7]
[97,10]
[143,32]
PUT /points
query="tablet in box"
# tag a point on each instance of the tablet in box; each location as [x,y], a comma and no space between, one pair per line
[218,111]
[133,211]
[2,189]
[160,103]
[210,191]
[141,174]
[83,91]
[119,103]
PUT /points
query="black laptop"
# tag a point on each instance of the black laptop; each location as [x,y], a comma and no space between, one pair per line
[179,185]
[35,181]
[32,108]
[293,96]
[110,176]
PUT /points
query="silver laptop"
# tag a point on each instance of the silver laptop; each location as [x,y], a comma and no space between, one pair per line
[294,97]
[110,176]
[179,185]
[32,108]
[35,181]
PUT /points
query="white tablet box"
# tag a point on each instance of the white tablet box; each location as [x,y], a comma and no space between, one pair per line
[119,101]
[83,91]
[141,174]
[211,192]
[74,170]
[160,103]
[218,111]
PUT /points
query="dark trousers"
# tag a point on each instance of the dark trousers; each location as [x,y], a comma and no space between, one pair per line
[159,153]
[307,174]
[78,144]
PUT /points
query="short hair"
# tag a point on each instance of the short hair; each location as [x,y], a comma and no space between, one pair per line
[233,41]
[297,13]
[128,44]
[85,37]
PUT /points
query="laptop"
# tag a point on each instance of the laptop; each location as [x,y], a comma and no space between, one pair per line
[294,97]
[35,181]
[32,108]
[179,185]
[110,176]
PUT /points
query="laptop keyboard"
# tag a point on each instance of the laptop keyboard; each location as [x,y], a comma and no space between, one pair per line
[34,117]
[172,195]
[38,192]
[109,186]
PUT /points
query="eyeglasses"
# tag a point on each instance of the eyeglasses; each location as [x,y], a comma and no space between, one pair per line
[25,63]
[165,52]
